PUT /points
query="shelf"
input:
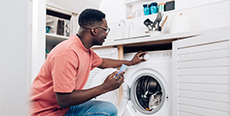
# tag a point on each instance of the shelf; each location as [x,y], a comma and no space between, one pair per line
[132,2]
[52,6]
[52,39]
[150,39]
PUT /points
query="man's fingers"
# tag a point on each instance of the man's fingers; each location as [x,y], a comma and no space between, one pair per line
[114,73]
[141,54]
[121,79]
[120,75]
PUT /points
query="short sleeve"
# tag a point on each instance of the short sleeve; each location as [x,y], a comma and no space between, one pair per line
[64,72]
[96,61]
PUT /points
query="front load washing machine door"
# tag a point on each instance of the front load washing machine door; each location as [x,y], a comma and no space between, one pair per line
[147,91]
[118,97]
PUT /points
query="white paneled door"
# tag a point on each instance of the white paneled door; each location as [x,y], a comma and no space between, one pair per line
[201,81]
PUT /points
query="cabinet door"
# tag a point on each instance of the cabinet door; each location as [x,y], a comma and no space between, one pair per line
[110,52]
[201,83]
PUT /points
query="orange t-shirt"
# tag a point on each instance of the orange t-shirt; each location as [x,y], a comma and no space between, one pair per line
[66,68]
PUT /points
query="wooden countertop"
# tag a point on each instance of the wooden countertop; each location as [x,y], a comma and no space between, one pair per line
[148,39]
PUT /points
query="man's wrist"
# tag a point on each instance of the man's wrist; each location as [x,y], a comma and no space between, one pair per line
[128,63]
[102,89]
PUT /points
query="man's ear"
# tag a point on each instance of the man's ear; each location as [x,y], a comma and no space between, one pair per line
[94,31]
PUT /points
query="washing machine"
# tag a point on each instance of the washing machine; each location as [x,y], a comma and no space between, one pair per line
[147,87]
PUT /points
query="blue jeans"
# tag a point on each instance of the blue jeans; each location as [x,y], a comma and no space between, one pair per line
[93,108]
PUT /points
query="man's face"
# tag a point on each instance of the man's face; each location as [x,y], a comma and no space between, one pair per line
[102,33]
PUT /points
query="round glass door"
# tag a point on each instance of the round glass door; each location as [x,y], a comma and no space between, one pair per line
[147,93]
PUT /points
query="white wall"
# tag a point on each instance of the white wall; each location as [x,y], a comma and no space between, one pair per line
[185,4]
[15,38]
[209,16]
[114,10]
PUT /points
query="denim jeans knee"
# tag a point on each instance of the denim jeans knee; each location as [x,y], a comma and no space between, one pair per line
[93,108]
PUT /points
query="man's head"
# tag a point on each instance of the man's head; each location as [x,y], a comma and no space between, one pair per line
[90,17]
[93,21]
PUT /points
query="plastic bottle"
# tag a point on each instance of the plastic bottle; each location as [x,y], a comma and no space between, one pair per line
[146,9]
[161,7]
[153,8]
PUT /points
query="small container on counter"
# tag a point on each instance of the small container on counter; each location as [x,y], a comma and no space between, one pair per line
[48,29]
[146,9]
[161,7]
[153,8]
[170,5]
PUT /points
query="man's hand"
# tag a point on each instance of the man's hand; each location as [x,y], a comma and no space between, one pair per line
[113,82]
[76,97]
[112,63]
[139,57]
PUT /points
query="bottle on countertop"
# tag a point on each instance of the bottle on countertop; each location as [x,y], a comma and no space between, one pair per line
[161,7]
[153,8]
[146,9]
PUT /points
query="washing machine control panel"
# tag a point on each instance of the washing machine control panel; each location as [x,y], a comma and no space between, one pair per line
[167,55]
[161,55]
[152,55]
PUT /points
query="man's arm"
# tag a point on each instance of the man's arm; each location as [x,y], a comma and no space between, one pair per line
[112,63]
[81,96]
[78,96]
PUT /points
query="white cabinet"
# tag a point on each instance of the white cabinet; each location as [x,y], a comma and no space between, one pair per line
[108,52]
[201,81]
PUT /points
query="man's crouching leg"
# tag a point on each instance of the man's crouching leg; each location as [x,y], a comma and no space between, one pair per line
[93,108]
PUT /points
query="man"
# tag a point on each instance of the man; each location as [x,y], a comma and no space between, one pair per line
[57,89]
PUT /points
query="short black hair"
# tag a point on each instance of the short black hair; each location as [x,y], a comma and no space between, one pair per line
[90,16]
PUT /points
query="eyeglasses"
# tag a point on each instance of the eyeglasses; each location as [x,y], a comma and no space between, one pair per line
[106,29]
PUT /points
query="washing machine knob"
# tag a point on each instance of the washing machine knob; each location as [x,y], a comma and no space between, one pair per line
[147,56]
